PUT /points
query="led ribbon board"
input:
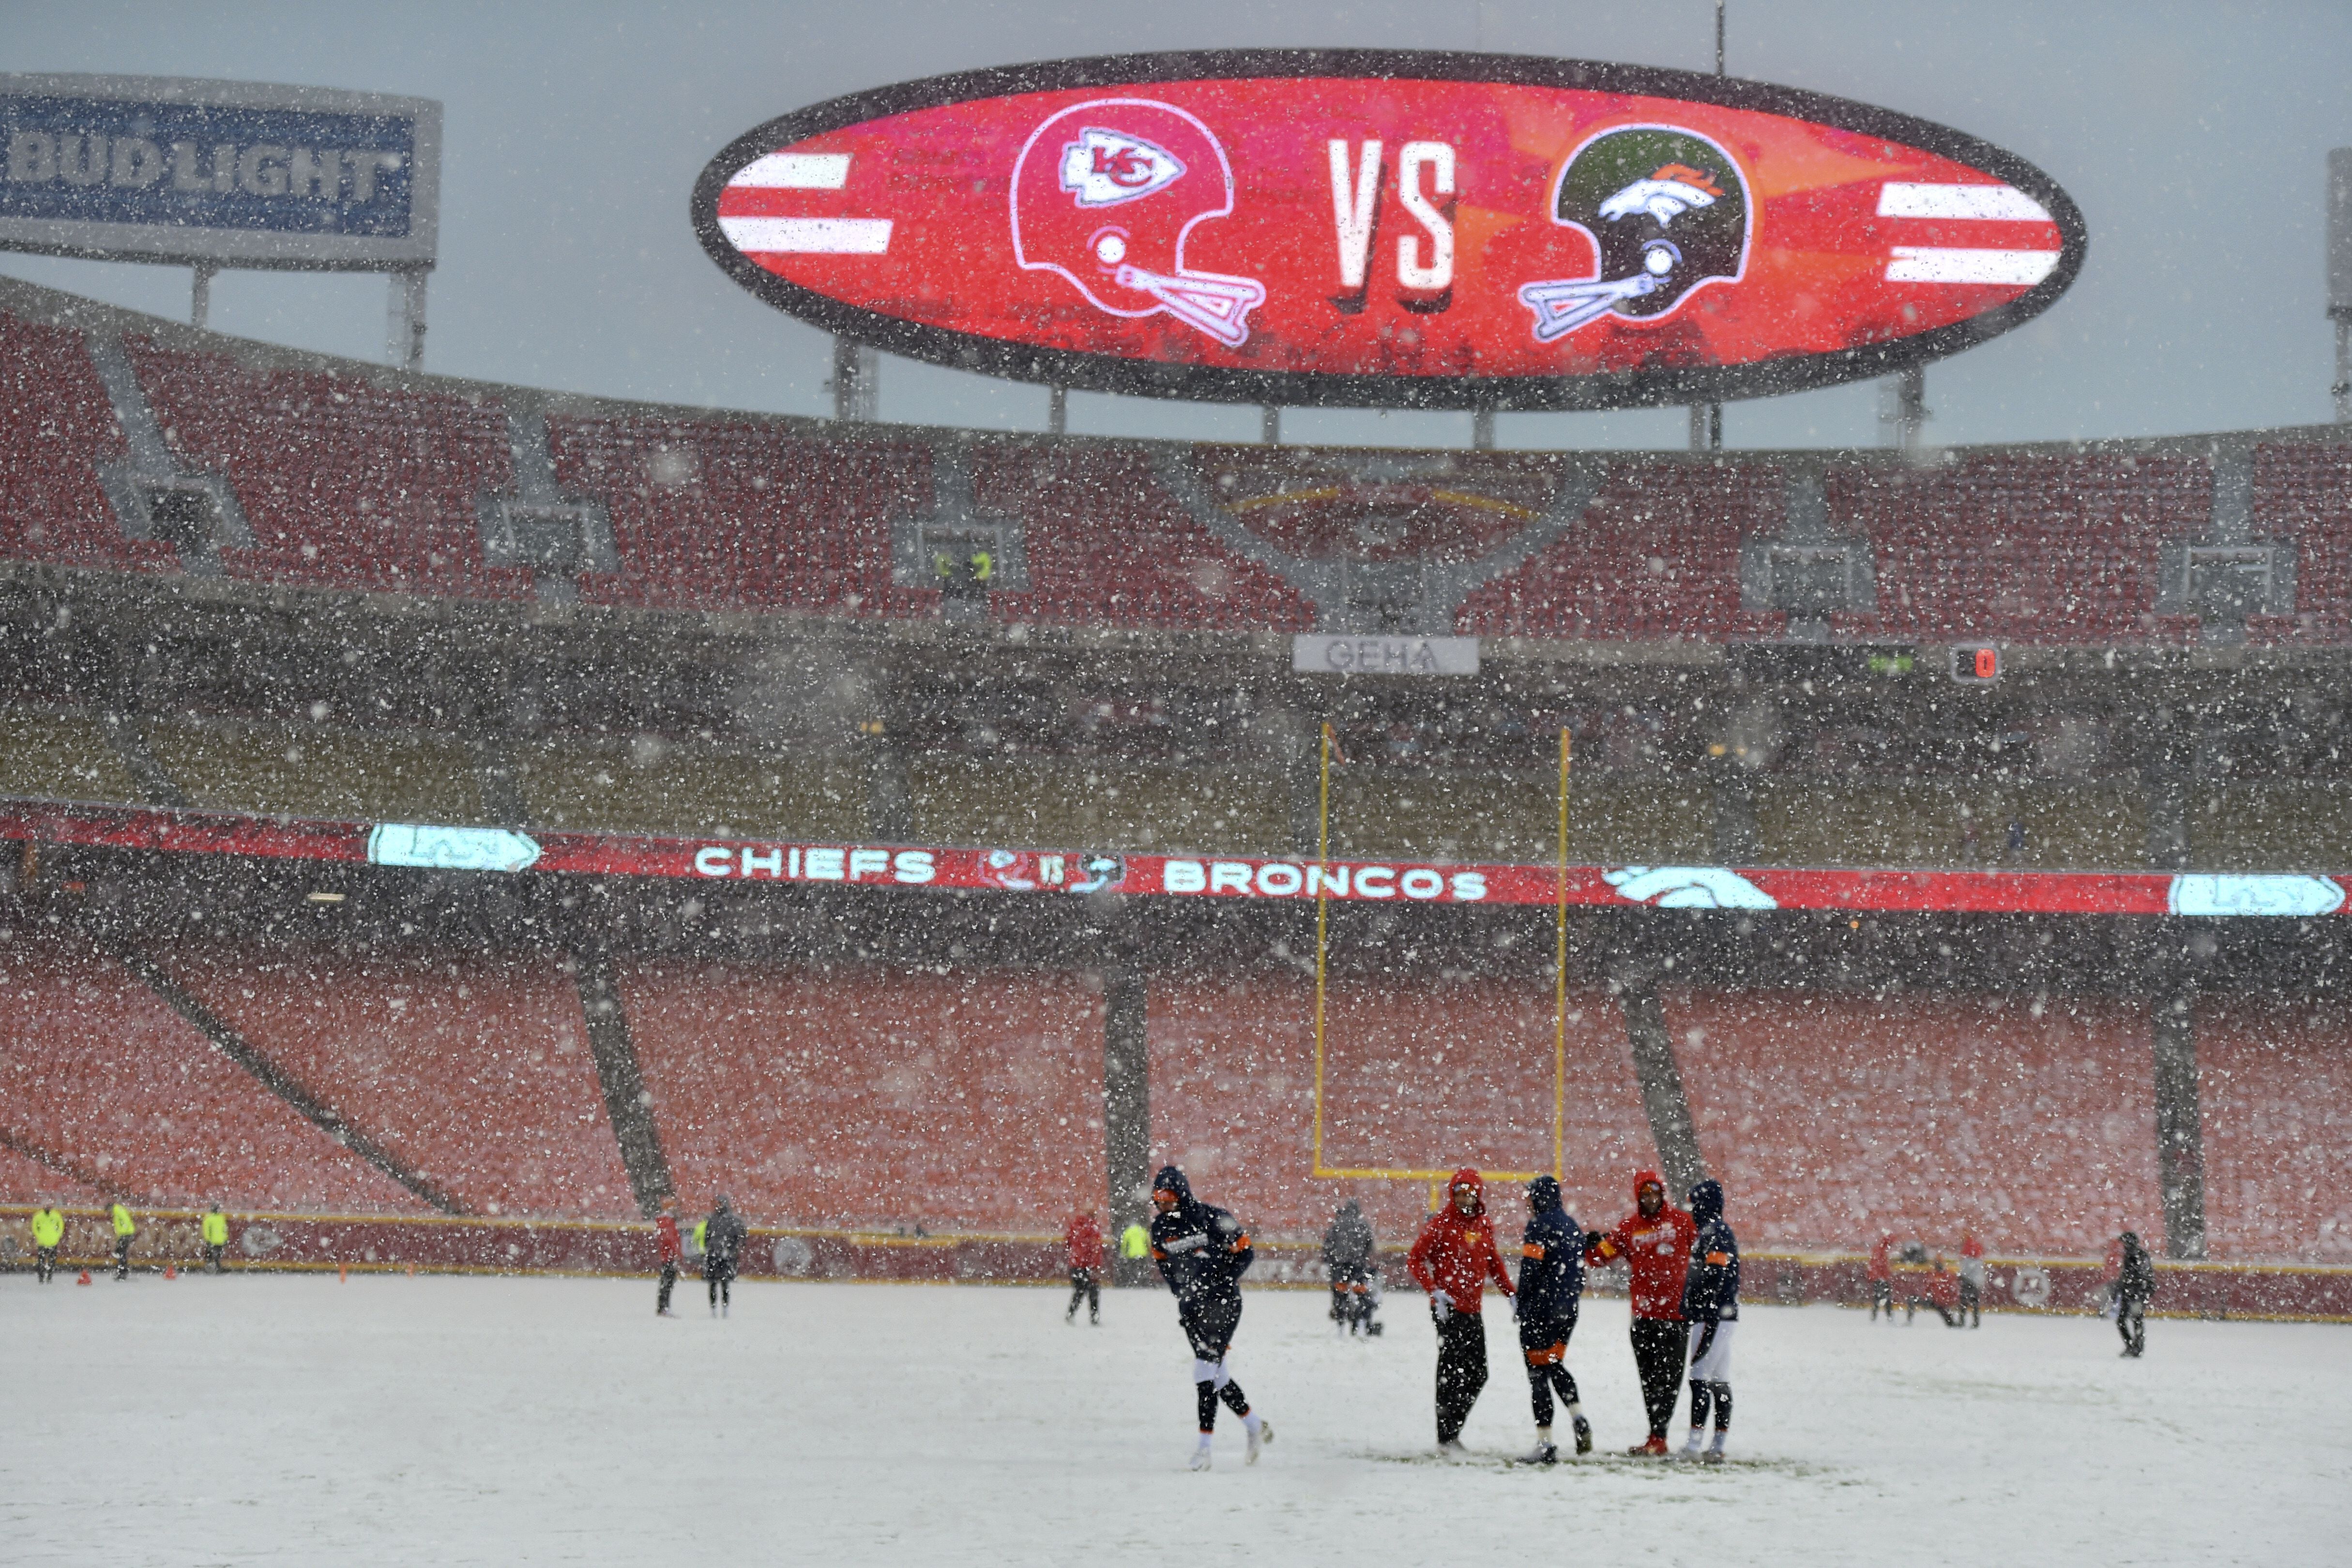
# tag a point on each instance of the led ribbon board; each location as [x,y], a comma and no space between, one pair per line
[1388,229]
[1258,879]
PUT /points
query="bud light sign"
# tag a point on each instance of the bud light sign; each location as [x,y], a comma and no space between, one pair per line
[1390,229]
[170,170]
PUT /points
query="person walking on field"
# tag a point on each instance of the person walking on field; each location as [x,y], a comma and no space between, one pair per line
[723,1236]
[1551,1289]
[2135,1288]
[48,1232]
[1203,1252]
[125,1227]
[216,1234]
[1452,1258]
[1881,1278]
[1711,1307]
[668,1249]
[1655,1240]
[1348,1258]
[1085,1240]
[1972,1279]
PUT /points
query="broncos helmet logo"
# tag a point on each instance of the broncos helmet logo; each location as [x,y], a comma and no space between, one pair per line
[1666,209]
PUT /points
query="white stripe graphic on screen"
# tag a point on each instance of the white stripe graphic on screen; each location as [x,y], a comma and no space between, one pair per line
[1934,263]
[2002,204]
[794,171]
[825,235]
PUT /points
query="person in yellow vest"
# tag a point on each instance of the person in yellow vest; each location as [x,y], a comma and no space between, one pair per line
[125,1227]
[1135,1241]
[216,1229]
[49,1230]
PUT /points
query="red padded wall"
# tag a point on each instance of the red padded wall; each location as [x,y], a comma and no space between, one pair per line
[1832,1120]
[472,1071]
[867,1097]
[1423,1074]
[97,1072]
[2275,1088]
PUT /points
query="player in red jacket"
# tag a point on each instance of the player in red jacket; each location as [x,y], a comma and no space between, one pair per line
[1882,1279]
[1452,1259]
[1083,1238]
[666,1246]
[1654,1243]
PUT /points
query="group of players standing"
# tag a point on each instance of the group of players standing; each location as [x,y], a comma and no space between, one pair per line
[1682,1268]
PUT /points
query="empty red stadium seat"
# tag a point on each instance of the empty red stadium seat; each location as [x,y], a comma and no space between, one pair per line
[745,515]
[345,483]
[1108,545]
[1656,555]
[2274,1092]
[2304,493]
[874,1098]
[1425,1074]
[2027,548]
[55,427]
[99,1075]
[1833,1119]
[472,1072]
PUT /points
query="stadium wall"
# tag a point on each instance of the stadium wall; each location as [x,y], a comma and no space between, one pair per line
[377,1245]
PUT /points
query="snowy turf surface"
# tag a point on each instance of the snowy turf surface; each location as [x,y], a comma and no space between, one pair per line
[295,1419]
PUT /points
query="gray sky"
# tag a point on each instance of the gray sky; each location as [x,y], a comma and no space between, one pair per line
[2193,135]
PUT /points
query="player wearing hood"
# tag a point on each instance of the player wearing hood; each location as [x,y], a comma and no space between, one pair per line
[1551,1287]
[1711,1307]
[1452,1259]
[1348,1257]
[1203,1252]
[1655,1240]
[2135,1287]
[723,1236]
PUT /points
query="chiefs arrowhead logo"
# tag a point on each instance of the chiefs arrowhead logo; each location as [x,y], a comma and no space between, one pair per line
[1103,168]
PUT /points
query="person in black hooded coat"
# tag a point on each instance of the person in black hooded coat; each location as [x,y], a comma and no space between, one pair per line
[723,1236]
[1348,1256]
[1203,1252]
[2135,1288]
[1711,1308]
[1551,1290]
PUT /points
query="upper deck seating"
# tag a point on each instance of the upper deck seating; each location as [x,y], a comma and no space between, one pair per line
[1656,555]
[710,514]
[344,482]
[56,428]
[1108,545]
[2022,547]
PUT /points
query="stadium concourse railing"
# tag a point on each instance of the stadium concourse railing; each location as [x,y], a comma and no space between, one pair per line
[367,1243]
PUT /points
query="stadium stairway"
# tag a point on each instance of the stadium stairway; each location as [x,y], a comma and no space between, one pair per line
[103,1084]
[474,1072]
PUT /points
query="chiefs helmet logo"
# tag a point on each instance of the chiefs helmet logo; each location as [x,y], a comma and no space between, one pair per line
[1160,174]
[1103,168]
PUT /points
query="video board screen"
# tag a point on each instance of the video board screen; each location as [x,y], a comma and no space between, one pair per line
[1388,229]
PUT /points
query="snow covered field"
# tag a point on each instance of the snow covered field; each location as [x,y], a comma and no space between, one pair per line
[297,1419]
